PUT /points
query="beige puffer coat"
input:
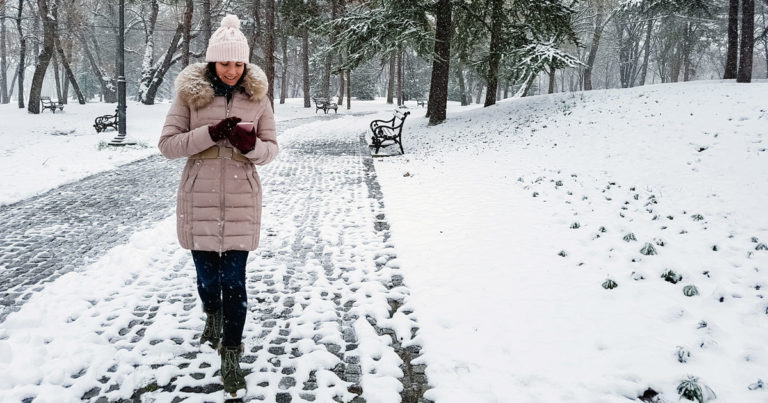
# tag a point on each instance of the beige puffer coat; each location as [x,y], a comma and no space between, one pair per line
[219,199]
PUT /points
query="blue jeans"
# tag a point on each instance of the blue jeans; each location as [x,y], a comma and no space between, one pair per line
[221,285]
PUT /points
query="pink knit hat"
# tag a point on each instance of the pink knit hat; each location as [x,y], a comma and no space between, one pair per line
[228,44]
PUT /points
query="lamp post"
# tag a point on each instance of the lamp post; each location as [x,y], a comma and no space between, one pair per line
[120,139]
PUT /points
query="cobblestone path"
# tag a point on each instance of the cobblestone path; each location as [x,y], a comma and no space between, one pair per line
[50,234]
[329,317]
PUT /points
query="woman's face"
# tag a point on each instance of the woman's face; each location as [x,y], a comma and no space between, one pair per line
[229,72]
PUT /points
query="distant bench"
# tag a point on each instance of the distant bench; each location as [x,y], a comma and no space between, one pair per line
[389,132]
[103,122]
[47,103]
[324,104]
[421,102]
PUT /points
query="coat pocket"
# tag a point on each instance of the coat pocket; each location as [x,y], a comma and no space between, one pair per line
[194,170]
[253,180]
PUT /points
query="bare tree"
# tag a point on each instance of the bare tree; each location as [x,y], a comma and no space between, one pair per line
[305,65]
[269,50]
[206,22]
[22,54]
[48,14]
[438,92]
[731,61]
[391,82]
[186,34]
[747,43]
[3,60]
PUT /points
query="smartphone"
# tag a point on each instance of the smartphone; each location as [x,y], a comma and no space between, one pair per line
[247,126]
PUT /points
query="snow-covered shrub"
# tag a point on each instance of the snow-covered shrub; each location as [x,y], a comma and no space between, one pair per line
[670,276]
[697,217]
[690,291]
[609,284]
[648,249]
[691,389]
[630,237]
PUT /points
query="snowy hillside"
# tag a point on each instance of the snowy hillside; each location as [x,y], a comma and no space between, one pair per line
[510,219]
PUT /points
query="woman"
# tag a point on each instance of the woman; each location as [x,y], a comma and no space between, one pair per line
[223,124]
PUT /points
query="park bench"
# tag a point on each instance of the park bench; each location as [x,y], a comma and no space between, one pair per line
[389,132]
[324,104]
[47,103]
[421,102]
[103,122]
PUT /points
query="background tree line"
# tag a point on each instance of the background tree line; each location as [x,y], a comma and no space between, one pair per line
[438,50]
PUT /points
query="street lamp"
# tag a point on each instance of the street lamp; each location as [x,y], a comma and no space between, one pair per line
[120,139]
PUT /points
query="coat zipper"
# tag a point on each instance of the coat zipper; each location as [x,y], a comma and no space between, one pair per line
[222,179]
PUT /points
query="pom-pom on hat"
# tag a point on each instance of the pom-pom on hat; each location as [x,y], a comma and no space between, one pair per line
[228,44]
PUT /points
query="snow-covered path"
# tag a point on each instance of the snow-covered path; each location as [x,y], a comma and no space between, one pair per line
[329,315]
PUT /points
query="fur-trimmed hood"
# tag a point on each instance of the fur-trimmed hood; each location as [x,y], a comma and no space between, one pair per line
[195,90]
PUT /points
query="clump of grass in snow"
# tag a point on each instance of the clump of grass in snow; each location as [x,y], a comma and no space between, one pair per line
[682,355]
[609,284]
[575,225]
[690,291]
[690,389]
[671,276]
[697,217]
[630,237]
[648,249]
[761,246]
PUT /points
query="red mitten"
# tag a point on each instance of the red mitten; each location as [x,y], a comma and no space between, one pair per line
[222,129]
[242,139]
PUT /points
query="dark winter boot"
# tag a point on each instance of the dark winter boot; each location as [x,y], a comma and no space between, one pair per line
[231,374]
[212,332]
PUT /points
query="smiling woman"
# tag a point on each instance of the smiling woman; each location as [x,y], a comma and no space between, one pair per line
[224,126]
[229,72]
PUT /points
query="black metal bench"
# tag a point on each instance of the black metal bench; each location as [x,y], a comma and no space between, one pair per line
[324,104]
[103,122]
[389,132]
[421,102]
[47,103]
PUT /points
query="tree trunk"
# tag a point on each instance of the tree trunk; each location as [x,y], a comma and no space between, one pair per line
[108,90]
[438,92]
[747,43]
[494,55]
[305,65]
[269,51]
[56,77]
[460,79]
[349,91]
[22,54]
[647,54]
[731,61]
[256,35]
[187,36]
[598,32]
[206,22]
[49,30]
[3,60]
[157,72]
[341,11]
[479,95]
[391,84]
[69,74]
[552,71]
[284,49]
[400,77]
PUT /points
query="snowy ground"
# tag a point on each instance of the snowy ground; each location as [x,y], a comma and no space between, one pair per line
[507,221]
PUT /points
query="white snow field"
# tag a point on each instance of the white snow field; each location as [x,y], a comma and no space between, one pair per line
[507,222]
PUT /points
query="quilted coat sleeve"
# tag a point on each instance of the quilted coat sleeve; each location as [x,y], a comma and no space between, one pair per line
[266,138]
[177,139]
